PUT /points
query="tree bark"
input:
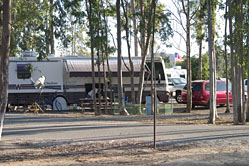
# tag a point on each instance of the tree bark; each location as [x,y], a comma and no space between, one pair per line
[143,56]
[247,108]
[247,105]
[200,26]
[120,82]
[134,26]
[129,54]
[189,79]
[200,59]
[212,79]
[51,26]
[5,50]
[144,48]
[89,10]
[226,60]
[239,62]
[235,119]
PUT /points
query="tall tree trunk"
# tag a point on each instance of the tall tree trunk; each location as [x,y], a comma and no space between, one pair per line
[212,100]
[98,61]
[47,33]
[200,60]
[143,55]
[189,80]
[120,82]
[235,119]
[104,47]
[239,61]
[51,26]
[144,48]
[89,10]
[153,72]
[247,108]
[134,26]
[129,54]
[200,26]
[226,59]
[4,53]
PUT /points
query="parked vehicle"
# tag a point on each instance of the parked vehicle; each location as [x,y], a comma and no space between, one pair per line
[68,79]
[176,72]
[201,93]
[176,86]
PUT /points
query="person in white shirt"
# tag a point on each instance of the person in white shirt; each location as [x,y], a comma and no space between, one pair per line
[90,93]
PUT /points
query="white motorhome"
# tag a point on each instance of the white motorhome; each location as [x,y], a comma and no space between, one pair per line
[70,78]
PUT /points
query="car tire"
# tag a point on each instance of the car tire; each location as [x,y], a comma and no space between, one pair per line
[178,97]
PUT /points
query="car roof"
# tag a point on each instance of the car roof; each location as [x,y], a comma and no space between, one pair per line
[196,81]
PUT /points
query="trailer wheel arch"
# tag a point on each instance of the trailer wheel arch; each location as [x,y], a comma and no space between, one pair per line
[59,103]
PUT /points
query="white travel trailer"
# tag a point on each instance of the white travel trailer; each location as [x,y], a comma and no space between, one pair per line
[176,72]
[67,79]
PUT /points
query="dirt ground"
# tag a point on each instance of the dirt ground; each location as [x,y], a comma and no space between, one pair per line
[208,153]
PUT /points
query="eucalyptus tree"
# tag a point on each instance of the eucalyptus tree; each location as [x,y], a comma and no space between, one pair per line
[91,32]
[133,7]
[184,16]
[5,17]
[212,63]
[238,27]
[238,63]
[27,28]
[162,28]
[199,27]
[122,109]
[226,58]
[232,55]
[247,27]
[36,24]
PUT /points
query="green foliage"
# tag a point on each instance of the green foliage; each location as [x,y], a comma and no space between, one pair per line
[194,66]
[31,20]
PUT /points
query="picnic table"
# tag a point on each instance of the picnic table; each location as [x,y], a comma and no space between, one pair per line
[88,104]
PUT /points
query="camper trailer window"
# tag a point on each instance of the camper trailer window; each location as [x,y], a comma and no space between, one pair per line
[23,71]
[182,75]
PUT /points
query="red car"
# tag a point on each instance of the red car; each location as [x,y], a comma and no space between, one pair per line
[200,93]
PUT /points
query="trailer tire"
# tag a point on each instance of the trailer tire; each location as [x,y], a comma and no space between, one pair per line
[59,103]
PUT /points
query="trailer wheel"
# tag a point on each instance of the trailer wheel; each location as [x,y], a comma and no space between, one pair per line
[59,103]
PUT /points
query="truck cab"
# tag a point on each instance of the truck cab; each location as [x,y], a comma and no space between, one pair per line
[176,86]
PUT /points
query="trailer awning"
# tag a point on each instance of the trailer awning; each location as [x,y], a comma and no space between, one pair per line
[83,68]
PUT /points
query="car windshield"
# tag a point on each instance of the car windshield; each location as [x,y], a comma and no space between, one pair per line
[178,81]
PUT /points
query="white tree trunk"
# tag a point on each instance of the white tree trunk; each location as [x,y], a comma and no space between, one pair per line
[212,79]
